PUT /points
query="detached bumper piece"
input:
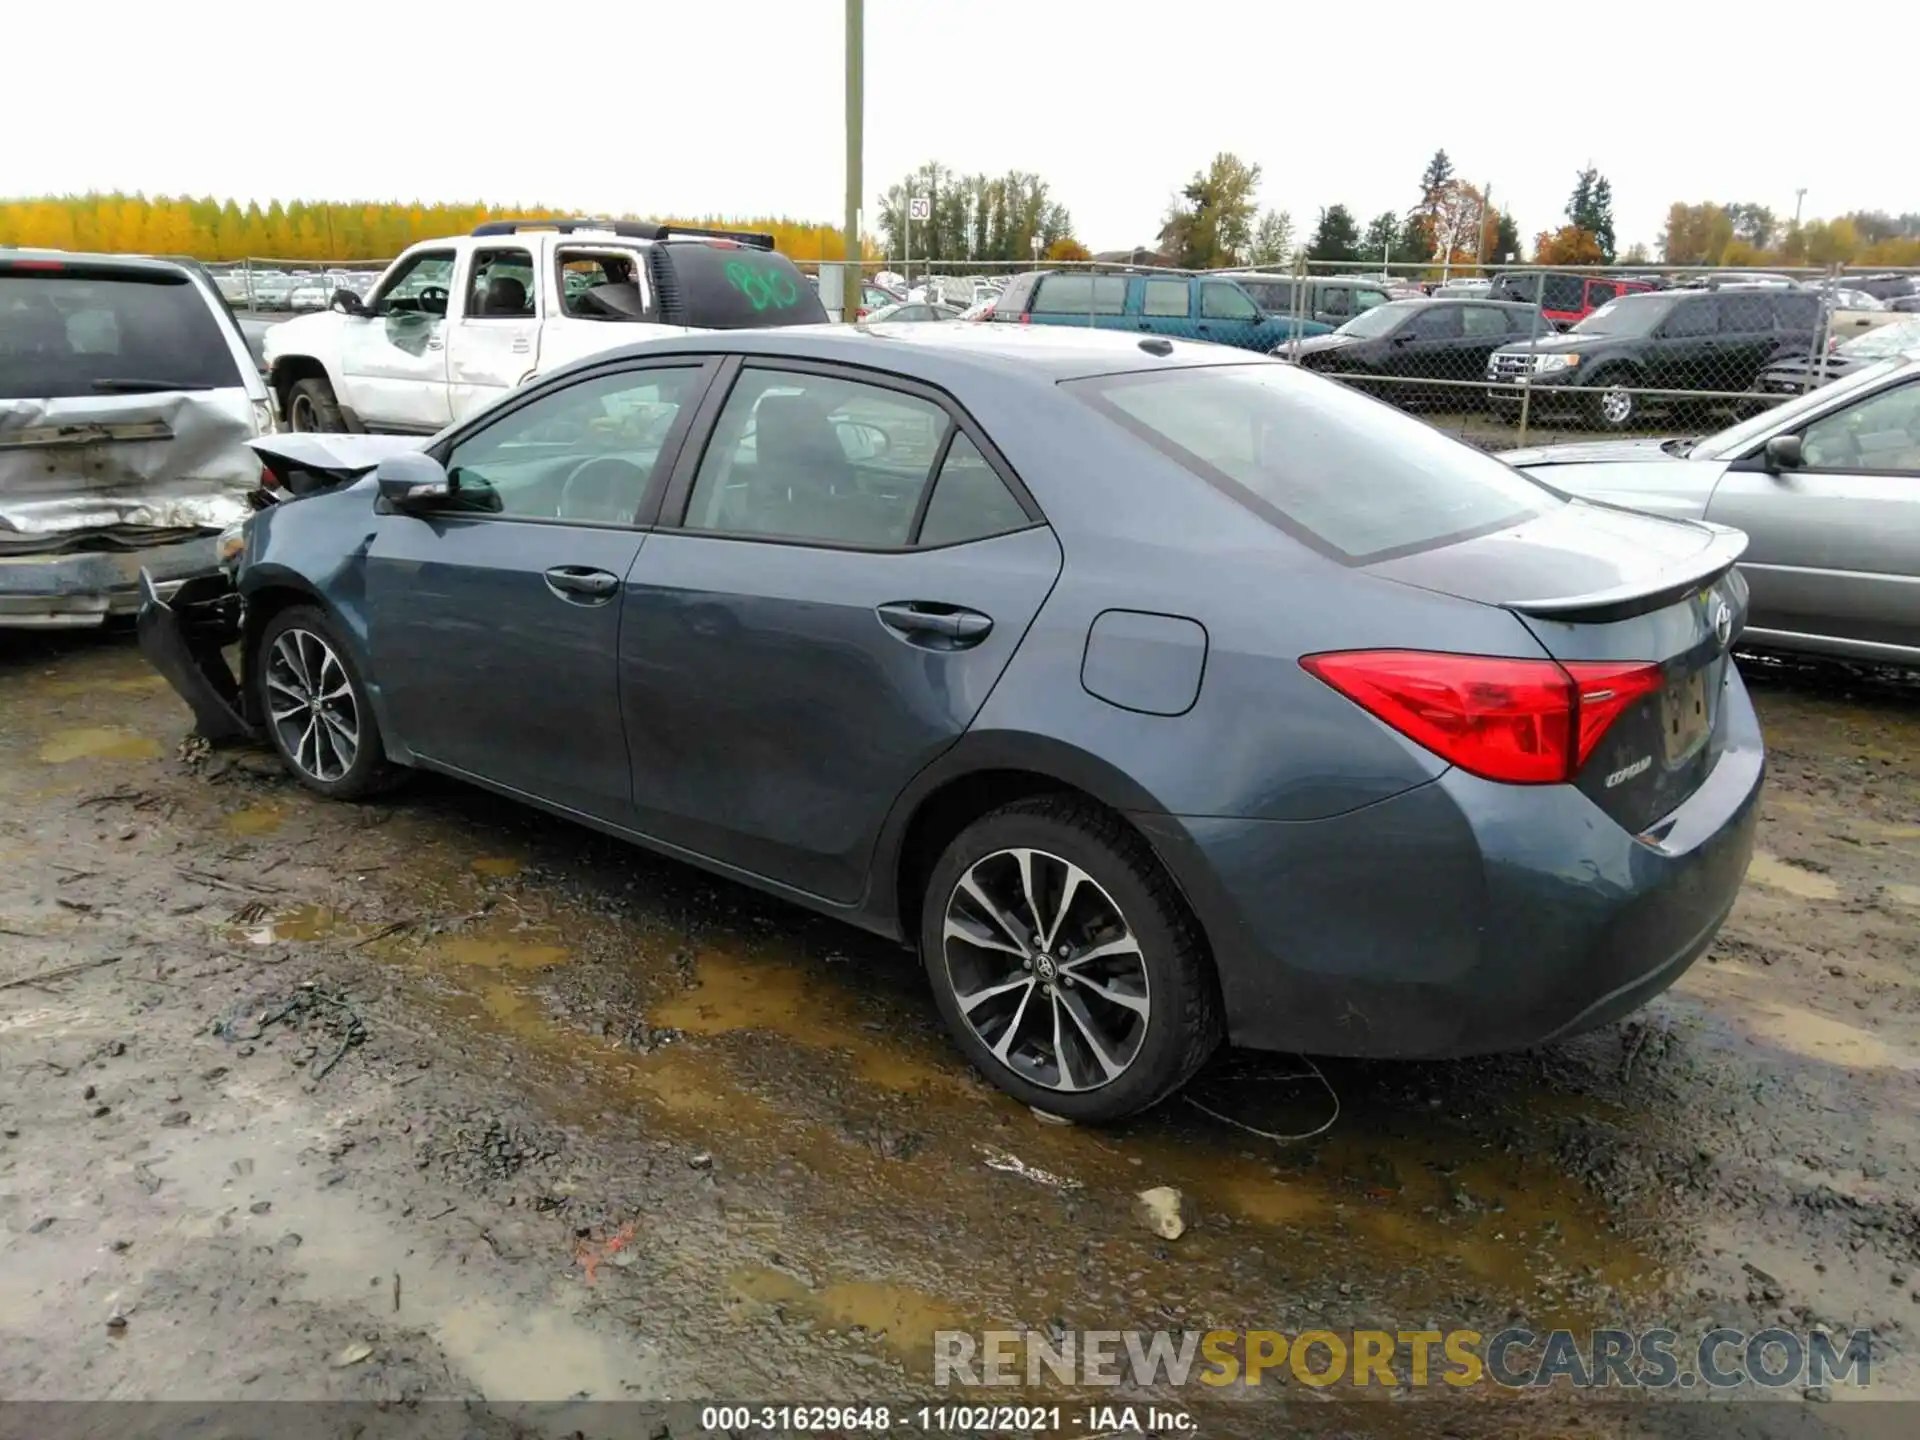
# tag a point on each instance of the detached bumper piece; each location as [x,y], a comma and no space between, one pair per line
[183,638]
[82,589]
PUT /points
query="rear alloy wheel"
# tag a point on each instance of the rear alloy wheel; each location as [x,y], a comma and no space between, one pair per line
[315,708]
[1065,963]
[1613,406]
[311,407]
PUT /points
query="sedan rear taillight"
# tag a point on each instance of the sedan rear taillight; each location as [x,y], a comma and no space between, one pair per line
[1524,722]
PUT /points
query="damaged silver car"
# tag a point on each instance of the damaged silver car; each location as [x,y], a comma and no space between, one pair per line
[127,396]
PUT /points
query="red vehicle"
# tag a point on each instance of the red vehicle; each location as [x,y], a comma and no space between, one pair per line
[1563,296]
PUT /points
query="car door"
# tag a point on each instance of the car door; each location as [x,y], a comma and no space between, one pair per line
[1425,348]
[1746,339]
[852,568]
[1835,542]
[395,361]
[495,619]
[1483,329]
[1680,353]
[1166,306]
[1228,315]
[493,332]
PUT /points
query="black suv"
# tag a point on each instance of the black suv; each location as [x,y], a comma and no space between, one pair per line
[1675,340]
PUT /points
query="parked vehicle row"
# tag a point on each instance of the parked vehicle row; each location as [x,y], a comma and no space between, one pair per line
[1190,307]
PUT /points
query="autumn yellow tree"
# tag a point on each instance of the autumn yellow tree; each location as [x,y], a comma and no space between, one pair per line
[1569,245]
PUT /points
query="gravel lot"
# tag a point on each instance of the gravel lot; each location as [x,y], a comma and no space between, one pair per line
[523,1114]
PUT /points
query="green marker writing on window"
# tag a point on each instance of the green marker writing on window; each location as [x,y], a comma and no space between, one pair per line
[763,288]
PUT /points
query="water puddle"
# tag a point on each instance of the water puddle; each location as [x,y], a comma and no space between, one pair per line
[262,819]
[1902,894]
[98,743]
[1778,874]
[495,952]
[496,867]
[790,1000]
[300,924]
[897,1316]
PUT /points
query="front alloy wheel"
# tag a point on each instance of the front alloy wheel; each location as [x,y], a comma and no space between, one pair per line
[1046,971]
[311,706]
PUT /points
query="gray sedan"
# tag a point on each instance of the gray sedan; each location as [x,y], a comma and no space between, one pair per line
[1123,678]
[1827,486]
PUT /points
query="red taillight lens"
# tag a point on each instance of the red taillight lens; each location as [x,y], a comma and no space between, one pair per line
[1524,722]
[1607,691]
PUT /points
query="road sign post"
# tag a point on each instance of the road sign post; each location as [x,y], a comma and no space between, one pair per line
[919,207]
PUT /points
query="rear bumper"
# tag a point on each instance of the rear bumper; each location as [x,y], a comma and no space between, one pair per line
[1463,916]
[183,636]
[82,590]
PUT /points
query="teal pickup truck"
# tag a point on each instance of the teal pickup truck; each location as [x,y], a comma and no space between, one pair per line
[1185,307]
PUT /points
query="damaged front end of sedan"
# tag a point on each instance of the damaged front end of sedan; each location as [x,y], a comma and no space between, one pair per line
[187,629]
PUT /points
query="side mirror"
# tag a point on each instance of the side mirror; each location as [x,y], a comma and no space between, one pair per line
[412,481]
[1784,453]
[345,300]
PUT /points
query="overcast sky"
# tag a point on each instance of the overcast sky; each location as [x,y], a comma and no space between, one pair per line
[737,107]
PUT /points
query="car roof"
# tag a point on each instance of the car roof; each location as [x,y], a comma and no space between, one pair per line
[937,353]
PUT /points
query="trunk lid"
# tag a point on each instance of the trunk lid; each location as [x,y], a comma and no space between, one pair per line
[1608,594]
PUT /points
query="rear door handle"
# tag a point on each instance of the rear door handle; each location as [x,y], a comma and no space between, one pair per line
[923,620]
[574,583]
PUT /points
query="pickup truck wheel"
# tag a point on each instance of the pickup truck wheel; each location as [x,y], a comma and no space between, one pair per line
[311,407]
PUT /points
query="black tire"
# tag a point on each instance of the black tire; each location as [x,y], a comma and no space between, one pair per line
[1611,406]
[311,407]
[309,744]
[1182,1025]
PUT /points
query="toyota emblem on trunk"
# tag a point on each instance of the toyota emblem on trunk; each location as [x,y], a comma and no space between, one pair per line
[1723,624]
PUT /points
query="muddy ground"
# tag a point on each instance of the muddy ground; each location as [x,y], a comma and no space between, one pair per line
[439,1097]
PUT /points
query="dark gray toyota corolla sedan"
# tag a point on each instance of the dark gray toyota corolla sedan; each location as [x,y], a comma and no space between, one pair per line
[1157,692]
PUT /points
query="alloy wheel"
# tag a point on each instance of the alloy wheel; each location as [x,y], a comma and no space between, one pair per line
[311,704]
[301,417]
[1046,970]
[1617,406]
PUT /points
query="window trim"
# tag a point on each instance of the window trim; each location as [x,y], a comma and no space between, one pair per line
[671,448]
[678,496]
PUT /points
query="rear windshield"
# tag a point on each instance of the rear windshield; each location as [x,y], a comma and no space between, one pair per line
[64,335]
[1357,480]
[731,287]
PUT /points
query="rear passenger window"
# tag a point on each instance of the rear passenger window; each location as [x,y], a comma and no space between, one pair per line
[1693,316]
[1220,300]
[1746,314]
[1081,295]
[1166,297]
[1599,292]
[1481,323]
[797,456]
[970,502]
[1797,312]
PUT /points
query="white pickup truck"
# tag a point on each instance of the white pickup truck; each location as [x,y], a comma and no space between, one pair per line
[455,324]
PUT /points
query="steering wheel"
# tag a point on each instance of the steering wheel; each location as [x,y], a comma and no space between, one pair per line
[603,489]
[425,296]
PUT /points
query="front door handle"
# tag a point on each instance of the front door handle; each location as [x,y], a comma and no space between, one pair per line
[944,627]
[575,583]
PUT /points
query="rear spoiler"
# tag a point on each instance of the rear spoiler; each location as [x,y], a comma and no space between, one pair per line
[1714,559]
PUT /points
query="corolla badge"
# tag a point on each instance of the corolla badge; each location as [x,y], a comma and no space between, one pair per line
[1723,623]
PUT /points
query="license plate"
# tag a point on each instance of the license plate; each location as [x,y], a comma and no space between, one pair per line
[1685,716]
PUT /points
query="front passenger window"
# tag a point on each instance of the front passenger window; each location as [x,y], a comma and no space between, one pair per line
[585,453]
[1220,300]
[1879,434]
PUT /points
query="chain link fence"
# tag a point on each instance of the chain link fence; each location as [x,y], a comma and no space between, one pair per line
[264,286]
